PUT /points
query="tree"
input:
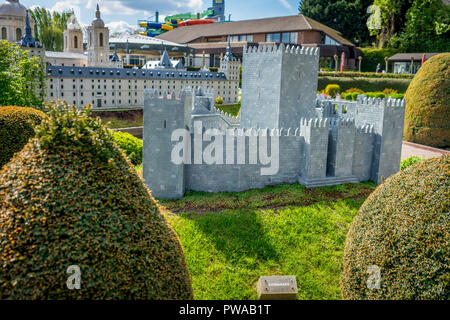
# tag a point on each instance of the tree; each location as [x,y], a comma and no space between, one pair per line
[346,16]
[22,78]
[393,17]
[427,27]
[49,27]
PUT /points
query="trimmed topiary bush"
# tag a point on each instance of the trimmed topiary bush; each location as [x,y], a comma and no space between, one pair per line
[16,128]
[219,100]
[332,90]
[427,118]
[71,198]
[403,230]
[129,144]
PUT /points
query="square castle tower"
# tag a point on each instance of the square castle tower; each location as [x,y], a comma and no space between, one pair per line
[321,142]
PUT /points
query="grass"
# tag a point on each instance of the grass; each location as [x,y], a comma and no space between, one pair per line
[115,123]
[232,109]
[231,239]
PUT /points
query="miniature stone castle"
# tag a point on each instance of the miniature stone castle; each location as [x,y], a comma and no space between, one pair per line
[320,142]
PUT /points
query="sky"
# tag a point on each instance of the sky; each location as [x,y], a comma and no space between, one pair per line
[121,15]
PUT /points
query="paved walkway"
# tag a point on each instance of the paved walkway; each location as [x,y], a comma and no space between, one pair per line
[413,149]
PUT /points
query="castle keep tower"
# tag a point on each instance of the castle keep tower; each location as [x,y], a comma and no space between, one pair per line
[279,86]
[98,42]
[73,37]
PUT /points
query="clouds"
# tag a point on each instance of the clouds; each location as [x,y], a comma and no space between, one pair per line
[165,6]
[285,4]
[120,27]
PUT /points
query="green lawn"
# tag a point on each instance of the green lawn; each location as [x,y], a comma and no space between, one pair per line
[231,239]
[115,123]
[232,109]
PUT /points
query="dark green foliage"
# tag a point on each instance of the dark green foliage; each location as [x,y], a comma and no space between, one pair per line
[16,128]
[404,229]
[365,84]
[371,57]
[392,16]
[129,144]
[49,27]
[427,118]
[427,28]
[70,197]
[22,78]
[346,16]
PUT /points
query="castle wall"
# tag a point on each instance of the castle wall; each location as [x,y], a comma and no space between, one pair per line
[341,148]
[315,151]
[161,116]
[392,139]
[244,176]
[363,153]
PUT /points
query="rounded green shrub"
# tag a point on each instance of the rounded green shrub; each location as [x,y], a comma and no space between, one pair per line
[427,118]
[71,198]
[219,100]
[353,90]
[355,95]
[16,128]
[332,90]
[129,144]
[401,236]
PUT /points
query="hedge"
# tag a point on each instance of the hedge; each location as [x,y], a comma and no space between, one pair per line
[16,128]
[71,198]
[129,144]
[371,57]
[366,75]
[398,244]
[427,116]
[365,84]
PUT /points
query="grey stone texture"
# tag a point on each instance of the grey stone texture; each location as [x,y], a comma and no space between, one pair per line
[320,142]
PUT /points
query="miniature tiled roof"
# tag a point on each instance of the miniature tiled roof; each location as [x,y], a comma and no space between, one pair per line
[266,25]
[122,73]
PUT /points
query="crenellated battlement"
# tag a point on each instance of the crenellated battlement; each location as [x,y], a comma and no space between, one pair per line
[315,123]
[154,94]
[343,123]
[365,129]
[378,102]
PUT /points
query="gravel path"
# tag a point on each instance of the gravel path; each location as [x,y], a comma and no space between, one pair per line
[412,149]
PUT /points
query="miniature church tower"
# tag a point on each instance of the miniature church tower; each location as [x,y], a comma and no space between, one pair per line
[229,64]
[73,37]
[28,42]
[98,42]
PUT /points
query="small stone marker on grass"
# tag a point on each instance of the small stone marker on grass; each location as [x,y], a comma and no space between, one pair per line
[277,288]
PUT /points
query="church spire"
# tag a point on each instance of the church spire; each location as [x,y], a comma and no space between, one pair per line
[229,55]
[97,13]
[28,39]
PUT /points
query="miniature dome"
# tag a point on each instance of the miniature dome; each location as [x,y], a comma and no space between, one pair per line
[98,22]
[12,8]
[73,25]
